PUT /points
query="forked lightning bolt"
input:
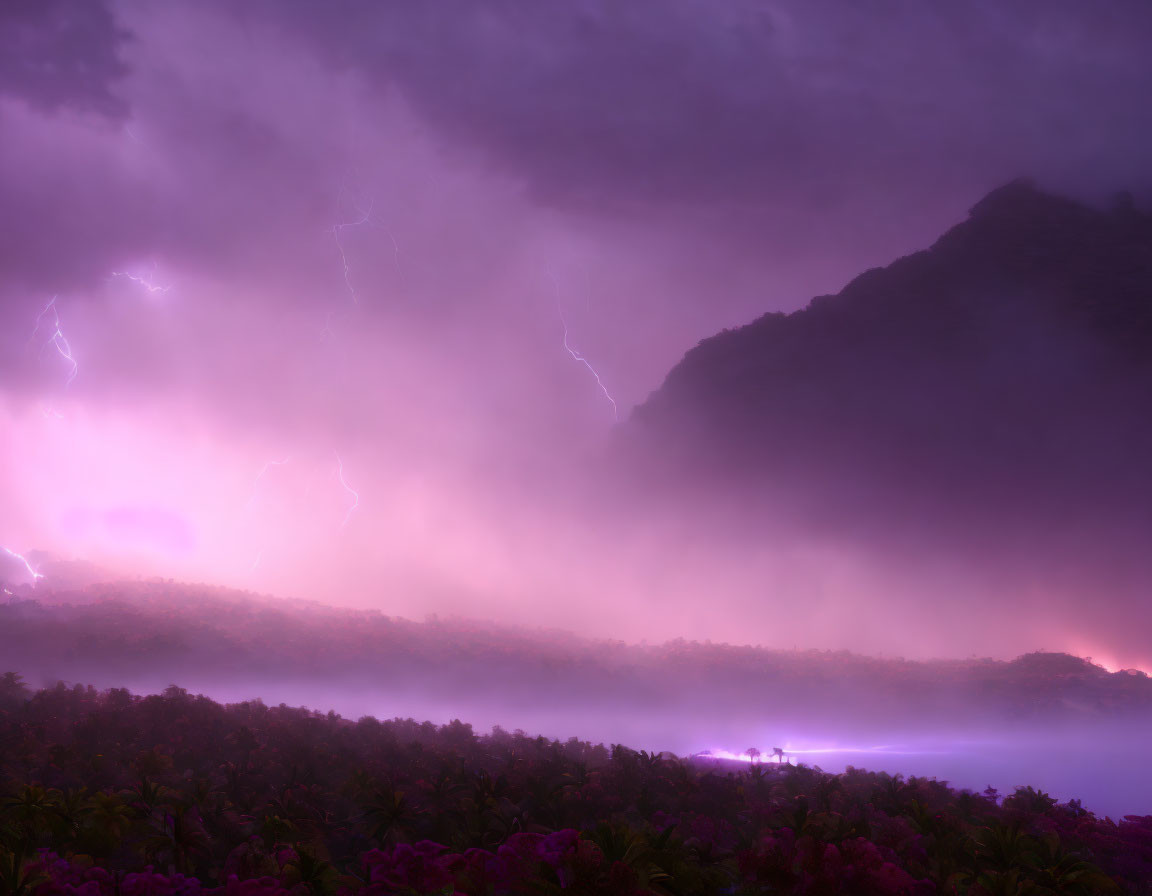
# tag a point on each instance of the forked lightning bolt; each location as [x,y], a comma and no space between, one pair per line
[28,566]
[363,218]
[337,229]
[57,339]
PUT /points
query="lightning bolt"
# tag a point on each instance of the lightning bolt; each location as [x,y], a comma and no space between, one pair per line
[57,339]
[336,230]
[147,282]
[355,495]
[263,472]
[599,382]
[28,566]
[362,217]
[579,357]
[327,332]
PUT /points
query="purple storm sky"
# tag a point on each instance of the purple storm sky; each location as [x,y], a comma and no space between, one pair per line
[332,299]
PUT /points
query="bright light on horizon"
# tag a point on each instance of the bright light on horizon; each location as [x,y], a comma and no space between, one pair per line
[769,757]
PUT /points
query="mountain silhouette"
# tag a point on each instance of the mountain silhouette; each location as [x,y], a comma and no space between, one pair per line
[1002,376]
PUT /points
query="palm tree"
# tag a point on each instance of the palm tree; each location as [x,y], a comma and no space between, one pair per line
[68,810]
[312,871]
[389,813]
[30,808]
[108,819]
[1003,846]
[178,834]
[15,879]
[237,786]
[1062,871]
[13,691]
[147,796]
[618,843]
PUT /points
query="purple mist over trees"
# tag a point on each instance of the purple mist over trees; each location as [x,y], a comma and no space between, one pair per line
[153,634]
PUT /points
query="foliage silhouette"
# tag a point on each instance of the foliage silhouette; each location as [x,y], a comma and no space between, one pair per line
[191,797]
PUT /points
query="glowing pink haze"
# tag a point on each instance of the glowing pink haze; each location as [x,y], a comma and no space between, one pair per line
[344,300]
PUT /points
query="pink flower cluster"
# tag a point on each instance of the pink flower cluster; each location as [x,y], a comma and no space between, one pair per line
[72,878]
[427,867]
[785,860]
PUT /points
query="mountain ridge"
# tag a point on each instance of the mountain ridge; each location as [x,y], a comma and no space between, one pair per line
[1005,365]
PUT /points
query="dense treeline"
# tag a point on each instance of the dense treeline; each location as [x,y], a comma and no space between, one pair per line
[106,793]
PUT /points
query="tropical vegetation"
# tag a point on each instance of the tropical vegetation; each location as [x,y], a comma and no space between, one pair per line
[106,793]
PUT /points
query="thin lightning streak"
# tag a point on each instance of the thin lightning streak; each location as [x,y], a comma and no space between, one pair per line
[327,332]
[395,248]
[28,566]
[149,282]
[599,382]
[336,230]
[355,495]
[264,472]
[57,339]
[577,356]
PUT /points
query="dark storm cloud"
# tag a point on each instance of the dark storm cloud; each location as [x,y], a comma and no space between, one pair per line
[58,58]
[62,54]
[813,103]
[653,171]
[176,165]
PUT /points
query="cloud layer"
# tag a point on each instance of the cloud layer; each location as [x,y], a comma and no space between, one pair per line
[420,251]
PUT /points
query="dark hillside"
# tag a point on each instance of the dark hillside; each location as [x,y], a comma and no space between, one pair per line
[1007,370]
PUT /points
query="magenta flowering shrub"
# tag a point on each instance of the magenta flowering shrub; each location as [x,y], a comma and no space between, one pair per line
[524,863]
[64,877]
[109,794]
[413,867]
[803,864]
